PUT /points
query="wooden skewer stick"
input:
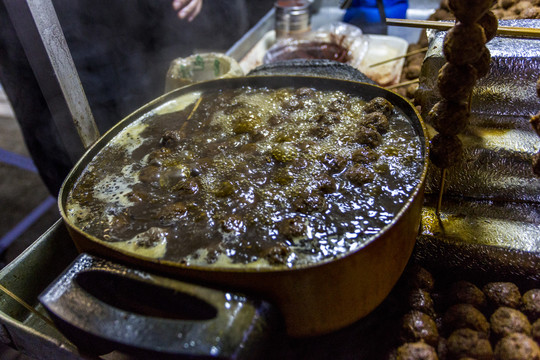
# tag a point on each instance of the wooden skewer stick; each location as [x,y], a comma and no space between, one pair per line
[195,108]
[405,83]
[26,306]
[447,25]
[399,57]
[441,192]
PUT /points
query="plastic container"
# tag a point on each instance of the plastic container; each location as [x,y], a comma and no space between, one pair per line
[336,41]
[200,67]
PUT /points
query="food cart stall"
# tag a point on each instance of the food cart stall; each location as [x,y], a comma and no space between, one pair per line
[486,232]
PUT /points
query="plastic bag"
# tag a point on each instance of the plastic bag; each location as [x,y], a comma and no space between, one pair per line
[336,41]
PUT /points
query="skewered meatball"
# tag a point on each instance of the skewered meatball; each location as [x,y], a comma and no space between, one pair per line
[536,163]
[530,304]
[465,316]
[489,23]
[442,348]
[465,292]
[416,326]
[416,351]
[449,117]
[483,64]
[502,294]
[505,321]
[455,83]
[468,11]
[462,42]
[469,343]
[421,300]
[517,346]
[535,122]
[445,151]
[379,104]
[535,331]
[418,277]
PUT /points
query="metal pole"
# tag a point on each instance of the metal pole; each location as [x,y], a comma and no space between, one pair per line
[41,36]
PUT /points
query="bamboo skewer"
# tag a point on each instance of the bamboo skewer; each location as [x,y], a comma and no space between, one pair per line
[194,108]
[441,192]
[400,57]
[405,83]
[26,306]
[447,25]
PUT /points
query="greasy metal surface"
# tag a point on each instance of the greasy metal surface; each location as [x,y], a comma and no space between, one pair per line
[499,141]
[43,40]
[35,270]
[240,326]
[323,68]
[481,239]
[501,225]
[27,276]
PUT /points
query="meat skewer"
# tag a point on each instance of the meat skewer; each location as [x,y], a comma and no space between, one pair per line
[446,25]
[467,60]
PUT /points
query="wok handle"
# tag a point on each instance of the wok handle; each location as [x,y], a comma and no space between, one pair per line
[102,306]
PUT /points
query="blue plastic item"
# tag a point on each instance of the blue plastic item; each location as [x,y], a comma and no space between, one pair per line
[367,11]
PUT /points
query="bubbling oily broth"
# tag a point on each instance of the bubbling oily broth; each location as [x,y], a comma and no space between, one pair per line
[255,177]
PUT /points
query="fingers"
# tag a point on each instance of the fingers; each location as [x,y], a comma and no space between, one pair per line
[187,9]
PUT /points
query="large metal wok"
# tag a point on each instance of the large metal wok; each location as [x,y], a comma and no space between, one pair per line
[314,299]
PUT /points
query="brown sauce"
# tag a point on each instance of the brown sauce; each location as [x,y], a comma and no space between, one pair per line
[314,50]
[256,176]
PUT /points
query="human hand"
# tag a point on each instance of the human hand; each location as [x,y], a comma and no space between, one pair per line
[187,9]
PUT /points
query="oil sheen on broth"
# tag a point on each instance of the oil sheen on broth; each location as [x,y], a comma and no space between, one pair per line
[256,177]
